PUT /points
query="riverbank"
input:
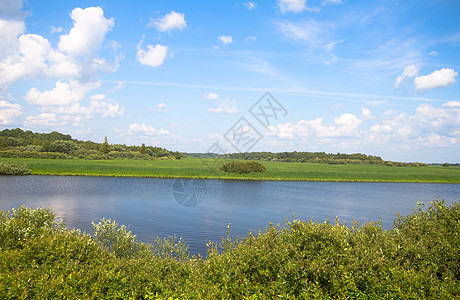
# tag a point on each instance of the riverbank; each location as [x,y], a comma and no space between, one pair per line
[208,168]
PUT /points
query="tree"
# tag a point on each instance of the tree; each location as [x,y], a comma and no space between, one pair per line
[143,149]
[105,148]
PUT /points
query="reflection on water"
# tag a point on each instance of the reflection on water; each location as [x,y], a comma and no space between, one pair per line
[148,207]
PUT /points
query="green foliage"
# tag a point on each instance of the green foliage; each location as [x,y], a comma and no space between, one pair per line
[11,168]
[105,148]
[418,259]
[61,146]
[17,143]
[241,167]
[119,240]
[143,149]
[318,157]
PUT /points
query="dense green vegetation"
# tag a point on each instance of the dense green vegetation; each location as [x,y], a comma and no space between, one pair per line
[319,157]
[242,167]
[16,143]
[418,258]
[11,168]
[209,168]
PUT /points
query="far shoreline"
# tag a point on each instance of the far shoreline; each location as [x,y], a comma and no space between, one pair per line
[195,168]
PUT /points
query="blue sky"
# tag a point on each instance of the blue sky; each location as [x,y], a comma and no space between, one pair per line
[376,77]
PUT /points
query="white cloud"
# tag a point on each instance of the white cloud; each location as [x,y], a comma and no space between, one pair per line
[211,96]
[32,56]
[89,30]
[163,132]
[162,107]
[226,107]
[295,6]
[9,31]
[428,126]
[375,102]
[9,112]
[345,126]
[225,39]
[250,5]
[141,129]
[63,94]
[98,106]
[409,72]
[10,9]
[434,53]
[169,22]
[250,39]
[367,114]
[54,29]
[44,120]
[215,136]
[437,79]
[153,57]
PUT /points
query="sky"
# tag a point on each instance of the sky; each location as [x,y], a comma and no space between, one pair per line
[375,77]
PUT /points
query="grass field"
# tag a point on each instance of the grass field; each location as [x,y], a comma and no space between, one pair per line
[208,168]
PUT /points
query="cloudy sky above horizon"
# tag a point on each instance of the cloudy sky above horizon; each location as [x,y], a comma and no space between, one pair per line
[376,77]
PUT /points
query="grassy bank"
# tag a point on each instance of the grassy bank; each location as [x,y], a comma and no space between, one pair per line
[418,259]
[207,168]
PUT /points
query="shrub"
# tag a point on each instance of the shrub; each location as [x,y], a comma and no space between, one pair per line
[119,240]
[10,168]
[418,259]
[243,167]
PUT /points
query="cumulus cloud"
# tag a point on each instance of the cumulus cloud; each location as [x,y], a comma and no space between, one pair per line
[136,128]
[31,55]
[367,114]
[211,96]
[44,120]
[227,107]
[295,6]
[89,29]
[346,125]
[9,112]
[62,94]
[153,57]
[225,39]
[409,72]
[428,126]
[169,22]
[99,105]
[9,32]
[10,9]
[437,79]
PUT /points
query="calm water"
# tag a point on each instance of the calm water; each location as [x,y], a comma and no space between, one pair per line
[150,206]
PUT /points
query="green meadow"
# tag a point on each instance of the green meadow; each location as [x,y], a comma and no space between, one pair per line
[209,168]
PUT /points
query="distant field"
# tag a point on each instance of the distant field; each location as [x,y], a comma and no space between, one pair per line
[207,168]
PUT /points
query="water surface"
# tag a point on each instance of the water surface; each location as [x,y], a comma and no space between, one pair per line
[148,206]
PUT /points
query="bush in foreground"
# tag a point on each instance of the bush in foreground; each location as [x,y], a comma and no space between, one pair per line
[241,167]
[10,168]
[418,258]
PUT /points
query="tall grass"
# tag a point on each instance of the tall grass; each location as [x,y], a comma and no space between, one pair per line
[209,168]
[418,259]
[11,168]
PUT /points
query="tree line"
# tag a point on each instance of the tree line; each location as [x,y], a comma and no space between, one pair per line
[17,143]
[318,157]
